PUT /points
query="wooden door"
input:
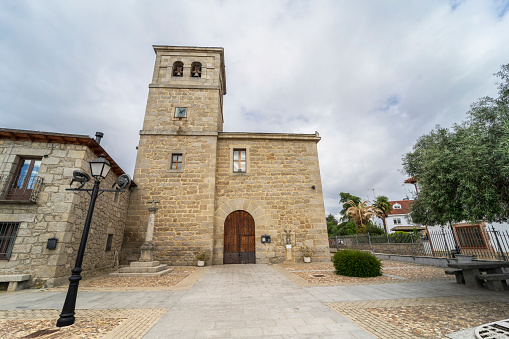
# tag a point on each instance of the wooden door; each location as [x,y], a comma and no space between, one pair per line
[239,238]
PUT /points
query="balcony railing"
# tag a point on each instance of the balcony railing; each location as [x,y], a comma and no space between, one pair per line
[19,188]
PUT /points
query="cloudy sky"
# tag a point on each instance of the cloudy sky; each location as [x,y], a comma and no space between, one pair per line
[370,76]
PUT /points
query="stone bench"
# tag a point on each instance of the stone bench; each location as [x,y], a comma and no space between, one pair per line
[459,275]
[16,281]
[495,282]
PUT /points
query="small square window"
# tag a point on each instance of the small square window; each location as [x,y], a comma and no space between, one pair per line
[109,241]
[397,221]
[239,160]
[176,161]
[180,112]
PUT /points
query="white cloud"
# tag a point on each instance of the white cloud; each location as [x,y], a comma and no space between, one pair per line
[370,76]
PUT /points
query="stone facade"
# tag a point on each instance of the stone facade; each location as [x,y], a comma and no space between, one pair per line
[58,213]
[280,187]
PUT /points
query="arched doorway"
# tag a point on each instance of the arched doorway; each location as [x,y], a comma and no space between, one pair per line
[239,238]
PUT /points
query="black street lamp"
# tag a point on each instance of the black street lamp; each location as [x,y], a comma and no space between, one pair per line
[99,168]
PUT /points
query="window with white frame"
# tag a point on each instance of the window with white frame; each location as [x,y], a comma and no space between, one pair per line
[239,160]
[397,221]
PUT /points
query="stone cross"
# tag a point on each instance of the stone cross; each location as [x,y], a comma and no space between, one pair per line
[154,201]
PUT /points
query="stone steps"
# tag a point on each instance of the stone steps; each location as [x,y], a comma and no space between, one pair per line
[155,274]
[143,269]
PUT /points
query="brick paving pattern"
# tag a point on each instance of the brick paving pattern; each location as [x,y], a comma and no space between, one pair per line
[260,301]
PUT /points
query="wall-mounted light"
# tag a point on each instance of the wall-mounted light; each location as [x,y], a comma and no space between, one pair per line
[52,244]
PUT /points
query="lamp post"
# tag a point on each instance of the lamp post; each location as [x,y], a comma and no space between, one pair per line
[99,168]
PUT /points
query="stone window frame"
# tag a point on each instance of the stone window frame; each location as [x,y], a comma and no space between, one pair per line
[170,160]
[248,162]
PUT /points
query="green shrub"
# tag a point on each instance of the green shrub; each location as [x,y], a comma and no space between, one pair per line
[355,263]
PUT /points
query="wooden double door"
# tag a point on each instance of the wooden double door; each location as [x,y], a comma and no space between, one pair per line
[239,238]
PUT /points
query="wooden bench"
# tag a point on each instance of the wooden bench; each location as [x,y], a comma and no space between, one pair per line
[459,275]
[16,281]
[495,282]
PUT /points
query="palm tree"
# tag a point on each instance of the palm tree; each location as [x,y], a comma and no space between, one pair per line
[382,207]
[360,213]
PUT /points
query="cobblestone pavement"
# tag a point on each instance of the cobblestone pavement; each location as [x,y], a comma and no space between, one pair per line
[255,301]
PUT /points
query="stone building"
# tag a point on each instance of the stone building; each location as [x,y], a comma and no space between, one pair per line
[220,192]
[36,211]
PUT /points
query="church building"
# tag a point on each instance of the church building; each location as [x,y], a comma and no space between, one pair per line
[238,197]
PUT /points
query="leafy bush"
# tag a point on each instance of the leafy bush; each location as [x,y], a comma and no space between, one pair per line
[374,230]
[404,237]
[355,263]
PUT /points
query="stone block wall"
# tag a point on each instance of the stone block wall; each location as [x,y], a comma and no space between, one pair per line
[184,222]
[276,190]
[201,117]
[59,214]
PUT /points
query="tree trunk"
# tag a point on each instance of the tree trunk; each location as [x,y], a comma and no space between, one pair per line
[385,226]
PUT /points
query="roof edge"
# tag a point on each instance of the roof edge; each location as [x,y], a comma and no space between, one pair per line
[62,138]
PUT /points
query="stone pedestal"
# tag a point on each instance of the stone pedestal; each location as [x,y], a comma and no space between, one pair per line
[147,252]
[289,256]
[146,266]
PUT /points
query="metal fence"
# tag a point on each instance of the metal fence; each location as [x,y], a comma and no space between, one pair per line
[481,242]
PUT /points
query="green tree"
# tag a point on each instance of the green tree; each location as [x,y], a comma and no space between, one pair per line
[330,218]
[332,225]
[344,198]
[361,214]
[383,208]
[463,172]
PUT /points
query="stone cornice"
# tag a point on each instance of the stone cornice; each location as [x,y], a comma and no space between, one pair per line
[174,133]
[269,136]
[183,86]
[240,135]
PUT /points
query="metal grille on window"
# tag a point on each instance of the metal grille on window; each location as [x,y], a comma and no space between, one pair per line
[8,232]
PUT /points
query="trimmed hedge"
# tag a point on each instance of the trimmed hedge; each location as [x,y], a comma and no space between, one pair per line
[355,263]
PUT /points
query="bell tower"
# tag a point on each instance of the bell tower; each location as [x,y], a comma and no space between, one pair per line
[186,93]
[177,155]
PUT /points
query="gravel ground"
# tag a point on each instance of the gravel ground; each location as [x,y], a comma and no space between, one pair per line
[44,328]
[324,272]
[176,276]
[435,321]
